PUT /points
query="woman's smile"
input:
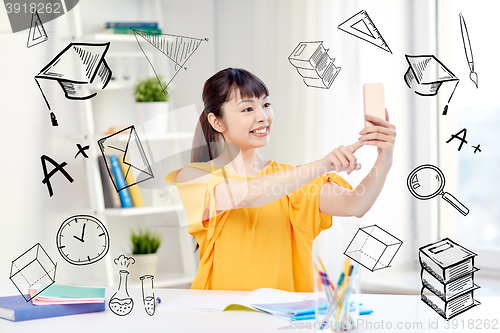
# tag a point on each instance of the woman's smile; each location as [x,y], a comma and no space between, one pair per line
[260,131]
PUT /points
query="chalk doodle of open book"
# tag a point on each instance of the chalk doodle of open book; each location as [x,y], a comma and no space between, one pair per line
[178,49]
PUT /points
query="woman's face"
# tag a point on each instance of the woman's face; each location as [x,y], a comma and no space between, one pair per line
[247,121]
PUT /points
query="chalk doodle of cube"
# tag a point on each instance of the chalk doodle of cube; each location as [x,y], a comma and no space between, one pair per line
[33,267]
[373,247]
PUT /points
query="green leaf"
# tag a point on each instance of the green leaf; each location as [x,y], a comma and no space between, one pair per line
[144,241]
[149,90]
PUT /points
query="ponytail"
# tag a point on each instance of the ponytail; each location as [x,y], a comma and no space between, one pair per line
[207,142]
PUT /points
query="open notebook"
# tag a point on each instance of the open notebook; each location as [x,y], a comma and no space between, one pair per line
[232,302]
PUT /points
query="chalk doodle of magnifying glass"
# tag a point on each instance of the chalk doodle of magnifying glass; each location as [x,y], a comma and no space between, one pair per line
[427,181]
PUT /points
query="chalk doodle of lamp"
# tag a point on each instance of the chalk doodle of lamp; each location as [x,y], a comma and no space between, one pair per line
[427,181]
[90,57]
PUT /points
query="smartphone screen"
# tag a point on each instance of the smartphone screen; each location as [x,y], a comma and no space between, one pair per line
[374,101]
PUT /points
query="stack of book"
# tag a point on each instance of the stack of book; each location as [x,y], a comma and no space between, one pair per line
[54,301]
[313,63]
[448,278]
[126,27]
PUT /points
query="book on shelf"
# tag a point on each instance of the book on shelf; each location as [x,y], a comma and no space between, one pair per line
[111,197]
[15,308]
[139,25]
[129,31]
[124,193]
[134,191]
[447,274]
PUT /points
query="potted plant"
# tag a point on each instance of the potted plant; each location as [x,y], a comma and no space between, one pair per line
[145,244]
[151,102]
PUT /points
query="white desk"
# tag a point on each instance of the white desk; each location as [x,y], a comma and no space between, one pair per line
[388,309]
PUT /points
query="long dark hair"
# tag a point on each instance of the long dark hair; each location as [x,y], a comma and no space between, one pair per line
[207,142]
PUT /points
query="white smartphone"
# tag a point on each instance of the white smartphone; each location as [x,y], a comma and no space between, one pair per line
[374,101]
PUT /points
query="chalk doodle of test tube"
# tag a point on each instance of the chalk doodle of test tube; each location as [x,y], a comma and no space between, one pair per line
[427,181]
[148,295]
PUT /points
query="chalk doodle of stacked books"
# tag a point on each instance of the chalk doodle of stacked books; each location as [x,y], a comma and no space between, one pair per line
[313,63]
[448,278]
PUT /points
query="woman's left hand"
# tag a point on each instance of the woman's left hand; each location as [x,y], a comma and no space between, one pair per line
[382,135]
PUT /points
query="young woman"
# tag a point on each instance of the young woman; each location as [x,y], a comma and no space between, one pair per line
[255,219]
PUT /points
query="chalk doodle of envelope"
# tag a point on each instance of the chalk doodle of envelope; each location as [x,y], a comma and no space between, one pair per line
[91,58]
[126,145]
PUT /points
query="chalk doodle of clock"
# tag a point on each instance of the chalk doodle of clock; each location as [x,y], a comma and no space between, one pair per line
[82,240]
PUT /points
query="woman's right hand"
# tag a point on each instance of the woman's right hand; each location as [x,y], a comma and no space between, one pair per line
[342,159]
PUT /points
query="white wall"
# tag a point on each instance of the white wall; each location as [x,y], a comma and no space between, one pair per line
[27,214]
[256,35]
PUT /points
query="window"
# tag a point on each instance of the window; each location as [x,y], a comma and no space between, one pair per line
[473,172]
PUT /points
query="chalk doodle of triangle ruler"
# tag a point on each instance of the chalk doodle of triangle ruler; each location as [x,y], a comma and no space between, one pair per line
[37,33]
[176,48]
[361,26]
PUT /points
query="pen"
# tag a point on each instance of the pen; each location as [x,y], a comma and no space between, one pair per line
[323,266]
[324,269]
[325,280]
[342,310]
[326,285]
[325,274]
[331,305]
[342,304]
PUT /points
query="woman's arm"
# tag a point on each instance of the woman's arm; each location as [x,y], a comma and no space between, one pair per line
[259,191]
[336,201]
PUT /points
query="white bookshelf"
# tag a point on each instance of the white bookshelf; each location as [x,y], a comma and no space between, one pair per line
[112,38]
[135,211]
[89,136]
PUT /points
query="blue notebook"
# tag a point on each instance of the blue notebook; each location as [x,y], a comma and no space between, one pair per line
[15,308]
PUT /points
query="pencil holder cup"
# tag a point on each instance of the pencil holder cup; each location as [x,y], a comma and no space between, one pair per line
[336,308]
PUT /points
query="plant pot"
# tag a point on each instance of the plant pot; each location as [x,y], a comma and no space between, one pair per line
[153,116]
[145,264]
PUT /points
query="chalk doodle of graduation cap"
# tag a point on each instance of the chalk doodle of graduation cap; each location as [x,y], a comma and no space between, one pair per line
[426,74]
[93,68]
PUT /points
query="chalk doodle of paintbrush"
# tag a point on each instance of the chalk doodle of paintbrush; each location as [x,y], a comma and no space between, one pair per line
[468,50]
